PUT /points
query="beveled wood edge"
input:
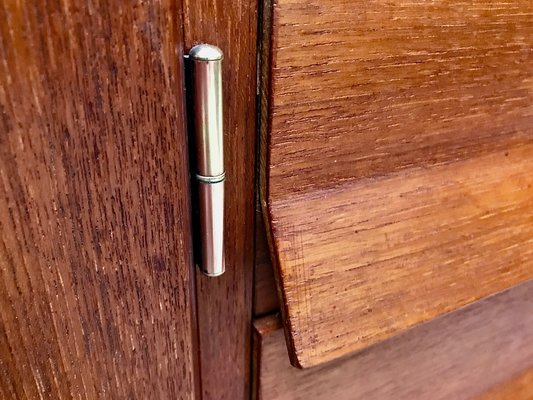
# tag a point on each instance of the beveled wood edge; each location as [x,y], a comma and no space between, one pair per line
[266,94]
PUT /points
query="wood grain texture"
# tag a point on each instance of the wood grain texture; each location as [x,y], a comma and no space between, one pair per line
[483,351]
[516,388]
[96,284]
[396,159]
[225,303]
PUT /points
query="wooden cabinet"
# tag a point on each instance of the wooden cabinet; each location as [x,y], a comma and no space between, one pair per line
[99,296]
[395,201]
[397,142]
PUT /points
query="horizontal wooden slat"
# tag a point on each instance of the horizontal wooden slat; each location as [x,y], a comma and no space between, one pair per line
[397,149]
[364,88]
[484,351]
[388,254]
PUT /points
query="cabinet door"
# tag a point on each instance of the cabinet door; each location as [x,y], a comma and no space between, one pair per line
[95,252]
[397,151]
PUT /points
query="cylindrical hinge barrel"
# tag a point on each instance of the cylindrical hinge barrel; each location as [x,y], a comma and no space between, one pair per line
[206,65]
[211,209]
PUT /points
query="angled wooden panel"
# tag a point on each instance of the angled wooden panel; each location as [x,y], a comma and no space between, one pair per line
[483,351]
[96,284]
[397,157]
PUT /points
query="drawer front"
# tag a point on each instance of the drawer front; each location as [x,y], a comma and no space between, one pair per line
[397,150]
[481,352]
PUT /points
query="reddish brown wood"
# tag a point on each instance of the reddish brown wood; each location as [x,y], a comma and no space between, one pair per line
[520,387]
[484,351]
[397,148]
[225,303]
[96,284]
[265,293]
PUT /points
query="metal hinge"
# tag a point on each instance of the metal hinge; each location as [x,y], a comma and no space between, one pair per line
[205,62]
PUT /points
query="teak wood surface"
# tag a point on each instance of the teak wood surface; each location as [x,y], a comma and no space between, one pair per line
[225,302]
[519,387]
[396,162]
[96,272]
[483,352]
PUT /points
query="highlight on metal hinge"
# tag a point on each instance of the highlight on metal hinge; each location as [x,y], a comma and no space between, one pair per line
[205,63]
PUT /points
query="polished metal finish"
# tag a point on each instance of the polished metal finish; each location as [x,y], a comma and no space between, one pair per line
[206,61]
[206,68]
[211,179]
[211,209]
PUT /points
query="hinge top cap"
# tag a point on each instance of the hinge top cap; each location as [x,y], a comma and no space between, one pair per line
[206,52]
